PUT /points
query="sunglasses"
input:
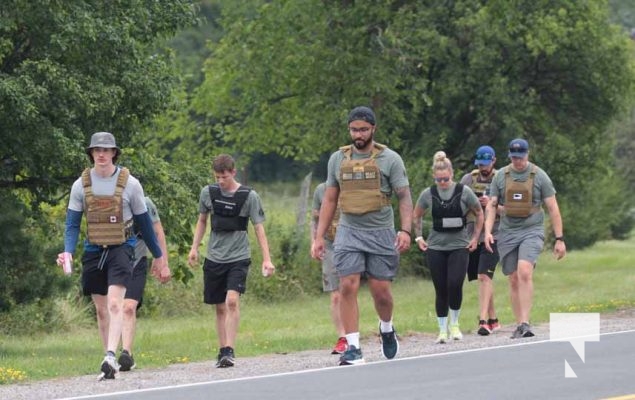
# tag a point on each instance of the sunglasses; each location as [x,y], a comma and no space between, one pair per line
[517,150]
[442,179]
[484,156]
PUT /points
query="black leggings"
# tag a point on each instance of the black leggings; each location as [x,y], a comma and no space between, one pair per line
[448,269]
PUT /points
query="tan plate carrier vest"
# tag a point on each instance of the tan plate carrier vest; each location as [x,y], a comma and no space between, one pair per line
[104,214]
[360,183]
[478,187]
[519,195]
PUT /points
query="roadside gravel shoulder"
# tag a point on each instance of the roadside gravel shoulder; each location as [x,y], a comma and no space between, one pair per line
[411,344]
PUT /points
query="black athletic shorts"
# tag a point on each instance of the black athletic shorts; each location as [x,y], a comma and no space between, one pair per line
[137,284]
[218,278]
[482,262]
[109,266]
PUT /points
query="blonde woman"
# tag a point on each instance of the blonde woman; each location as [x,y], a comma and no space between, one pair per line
[448,245]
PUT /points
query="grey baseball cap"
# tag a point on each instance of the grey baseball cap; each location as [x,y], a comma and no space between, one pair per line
[104,140]
[362,113]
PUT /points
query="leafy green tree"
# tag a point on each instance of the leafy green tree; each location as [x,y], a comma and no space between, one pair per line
[441,75]
[67,70]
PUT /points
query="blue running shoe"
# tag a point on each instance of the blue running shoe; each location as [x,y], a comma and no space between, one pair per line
[389,343]
[352,356]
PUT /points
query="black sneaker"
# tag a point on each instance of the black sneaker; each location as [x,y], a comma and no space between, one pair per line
[389,343]
[522,331]
[126,361]
[109,367]
[227,359]
[352,356]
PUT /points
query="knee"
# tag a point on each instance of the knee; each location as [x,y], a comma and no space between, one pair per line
[348,287]
[231,304]
[484,279]
[101,313]
[114,307]
[129,310]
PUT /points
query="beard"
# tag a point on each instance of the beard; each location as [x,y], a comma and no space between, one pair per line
[361,144]
[486,173]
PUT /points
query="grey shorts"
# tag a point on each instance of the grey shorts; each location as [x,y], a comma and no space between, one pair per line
[366,252]
[330,278]
[519,246]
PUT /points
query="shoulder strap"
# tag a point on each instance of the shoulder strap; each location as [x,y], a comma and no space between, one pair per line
[475,173]
[122,180]
[87,183]
[347,150]
[377,148]
[214,191]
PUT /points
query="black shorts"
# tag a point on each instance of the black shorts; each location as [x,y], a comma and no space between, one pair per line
[482,262]
[110,266]
[218,278]
[137,284]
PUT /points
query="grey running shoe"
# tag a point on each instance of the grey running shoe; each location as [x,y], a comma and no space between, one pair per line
[352,356]
[227,359]
[109,367]
[522,331]
[389,343]
[126,361]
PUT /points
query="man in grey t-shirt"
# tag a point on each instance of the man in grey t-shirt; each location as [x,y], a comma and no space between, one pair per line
[362,178]
[521,188]
[228,256]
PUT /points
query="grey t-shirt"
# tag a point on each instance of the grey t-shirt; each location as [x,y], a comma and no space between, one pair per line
[542,188]
[132,197]
[448,240]
[467,180]
[141,249]
[231,246]
[393,176]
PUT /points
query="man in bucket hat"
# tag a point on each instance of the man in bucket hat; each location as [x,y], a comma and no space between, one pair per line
[112,200]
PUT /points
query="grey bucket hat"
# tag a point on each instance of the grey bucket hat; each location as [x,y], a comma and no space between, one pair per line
[104,140]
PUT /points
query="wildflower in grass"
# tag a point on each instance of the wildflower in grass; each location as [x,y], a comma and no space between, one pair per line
[11,375]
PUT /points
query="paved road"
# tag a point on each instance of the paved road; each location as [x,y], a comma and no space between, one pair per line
[533,370]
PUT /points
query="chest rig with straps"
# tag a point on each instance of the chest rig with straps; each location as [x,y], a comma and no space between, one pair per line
[447,215]
[480,187]
[104,214]
[360,182]
[519,195]
[227,209]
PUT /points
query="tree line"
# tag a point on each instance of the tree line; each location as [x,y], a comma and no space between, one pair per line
[271,82]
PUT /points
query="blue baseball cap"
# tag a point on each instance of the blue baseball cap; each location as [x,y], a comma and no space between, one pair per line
[484,155]
[518,148]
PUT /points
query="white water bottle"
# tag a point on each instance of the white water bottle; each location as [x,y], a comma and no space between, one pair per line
[68,269]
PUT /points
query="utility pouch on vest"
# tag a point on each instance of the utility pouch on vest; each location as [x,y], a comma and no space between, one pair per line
[360,183]
[479,188]
[104,214]
[519,195]
[447,215]
[332,229]
[227,209]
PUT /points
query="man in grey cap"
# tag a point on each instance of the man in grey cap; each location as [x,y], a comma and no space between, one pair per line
[112,199]
[362,177]
[521,189]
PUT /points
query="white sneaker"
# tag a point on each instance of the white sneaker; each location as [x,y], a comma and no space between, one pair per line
[455,332]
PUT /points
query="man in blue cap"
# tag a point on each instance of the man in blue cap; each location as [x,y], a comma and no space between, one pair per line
[482,262]
[517,193]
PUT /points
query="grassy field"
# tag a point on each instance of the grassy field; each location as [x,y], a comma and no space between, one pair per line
[599,279]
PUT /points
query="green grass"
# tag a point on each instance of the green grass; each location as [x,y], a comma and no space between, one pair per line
[599,279]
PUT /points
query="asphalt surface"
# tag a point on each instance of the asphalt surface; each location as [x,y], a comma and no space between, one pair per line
[531,370]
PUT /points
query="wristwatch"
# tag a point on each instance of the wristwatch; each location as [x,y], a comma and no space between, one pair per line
[560,238]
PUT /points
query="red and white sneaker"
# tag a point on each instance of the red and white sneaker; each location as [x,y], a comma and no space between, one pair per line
[340,346]
[494,325]
[483,328]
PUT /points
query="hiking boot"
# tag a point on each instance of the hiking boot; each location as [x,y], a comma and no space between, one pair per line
[109,366]
[389,343]
[522,331]
[483,328]
[442,338]
[227,358]
[494,325]
[340,346]
[455,332]
[126,361]
[352,356]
